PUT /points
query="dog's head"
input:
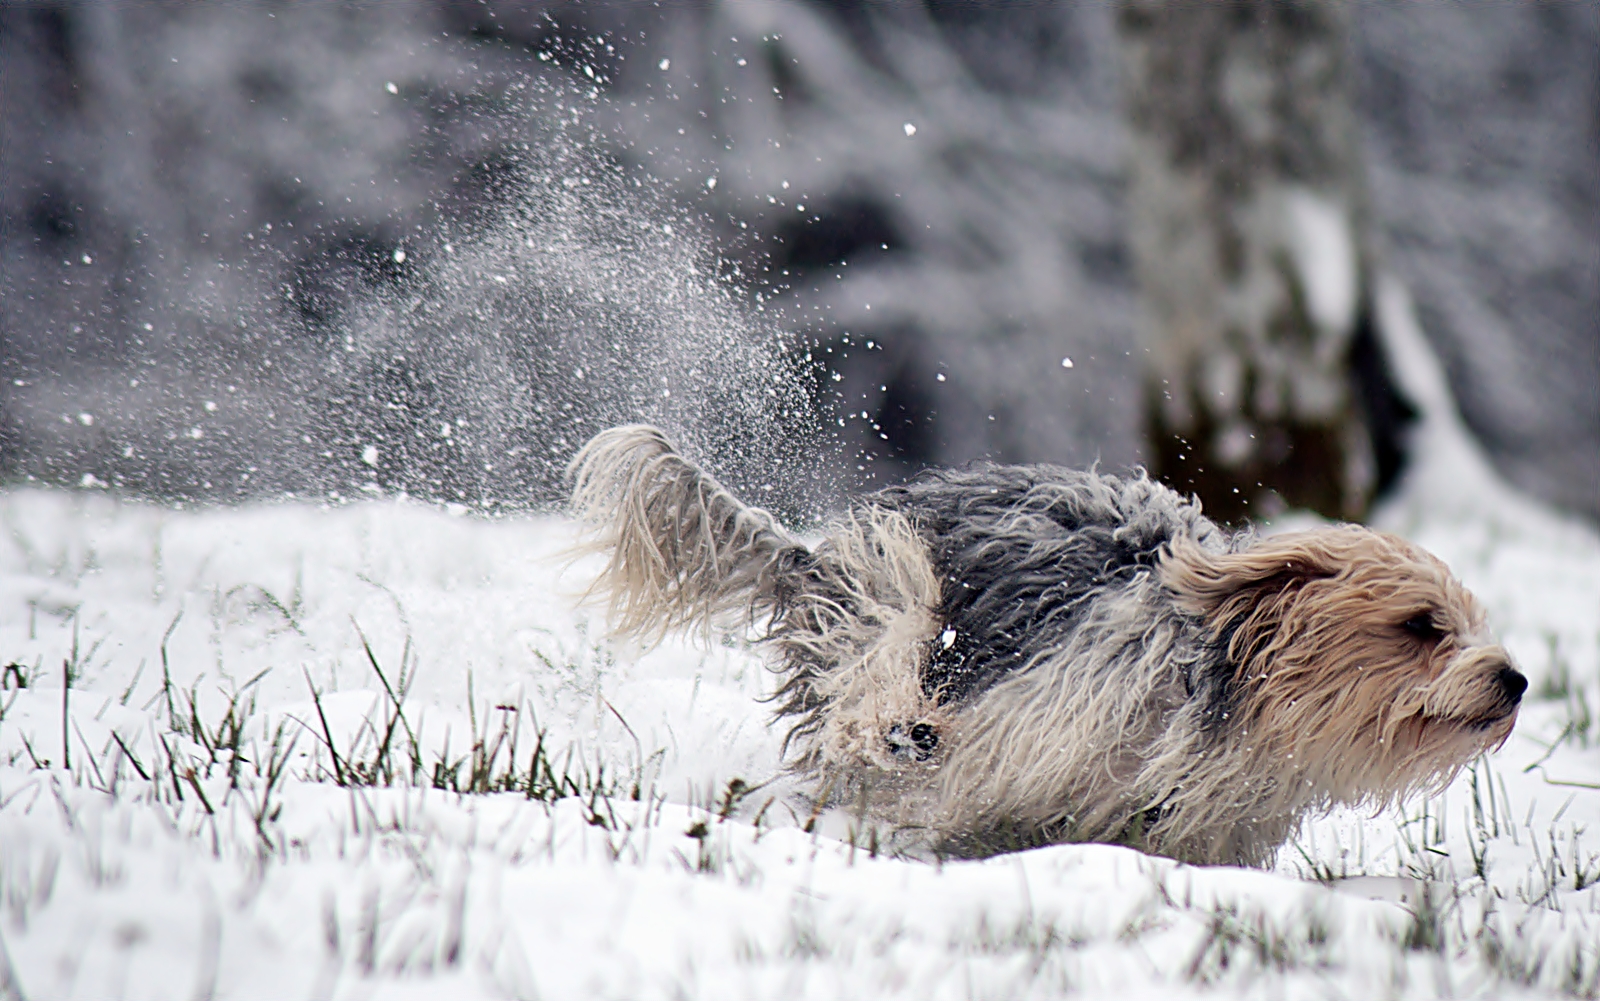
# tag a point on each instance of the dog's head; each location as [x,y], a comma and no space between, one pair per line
[1353,651]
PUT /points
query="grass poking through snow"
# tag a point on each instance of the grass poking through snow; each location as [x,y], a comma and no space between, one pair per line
[374,751]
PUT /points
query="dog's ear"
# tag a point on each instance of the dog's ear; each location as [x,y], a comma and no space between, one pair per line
[1222,587]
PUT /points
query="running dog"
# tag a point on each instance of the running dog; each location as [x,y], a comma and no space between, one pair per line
[1010,656]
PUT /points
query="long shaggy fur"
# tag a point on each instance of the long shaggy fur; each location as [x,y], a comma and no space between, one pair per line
[1010,656]
[683,550]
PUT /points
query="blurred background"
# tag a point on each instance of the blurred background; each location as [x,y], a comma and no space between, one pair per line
[327,250]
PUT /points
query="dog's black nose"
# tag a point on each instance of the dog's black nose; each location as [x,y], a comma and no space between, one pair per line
[1512,683]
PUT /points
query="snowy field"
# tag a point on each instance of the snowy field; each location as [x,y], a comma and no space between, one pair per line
[375,751]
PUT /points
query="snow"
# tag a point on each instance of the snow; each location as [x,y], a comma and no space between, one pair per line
[184,883]
[1324,254]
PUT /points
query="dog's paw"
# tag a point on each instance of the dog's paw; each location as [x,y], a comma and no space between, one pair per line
[917,741]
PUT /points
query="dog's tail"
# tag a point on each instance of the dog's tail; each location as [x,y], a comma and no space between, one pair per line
[683,550]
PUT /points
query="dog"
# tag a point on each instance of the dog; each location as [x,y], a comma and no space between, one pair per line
[1002,657]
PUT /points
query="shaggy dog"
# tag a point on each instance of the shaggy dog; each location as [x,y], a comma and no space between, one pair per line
[1010,656]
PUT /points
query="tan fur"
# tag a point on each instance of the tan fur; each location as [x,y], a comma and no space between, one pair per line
[874,641]
[682,550]
[1324,687]
[1340,704]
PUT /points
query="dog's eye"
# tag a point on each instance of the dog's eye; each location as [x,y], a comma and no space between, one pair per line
[1421,626]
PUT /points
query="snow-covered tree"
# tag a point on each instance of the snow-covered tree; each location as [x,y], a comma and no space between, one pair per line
[1248,225]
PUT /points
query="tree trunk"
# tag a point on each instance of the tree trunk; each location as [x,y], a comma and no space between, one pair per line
[1248,220]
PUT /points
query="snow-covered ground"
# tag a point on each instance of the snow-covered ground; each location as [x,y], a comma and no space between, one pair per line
[551,817]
